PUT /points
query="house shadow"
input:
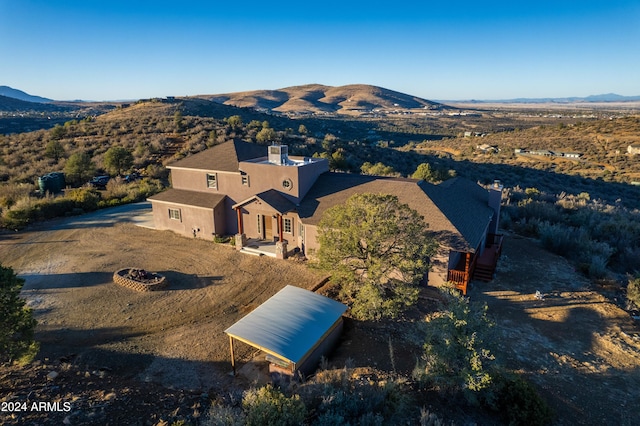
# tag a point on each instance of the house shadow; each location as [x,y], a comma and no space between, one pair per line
[42,282]
[181,281]
[60,281]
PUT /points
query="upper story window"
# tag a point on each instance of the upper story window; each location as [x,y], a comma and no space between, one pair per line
[212,180]
[245,180]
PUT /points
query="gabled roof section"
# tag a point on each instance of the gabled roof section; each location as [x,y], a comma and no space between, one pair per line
[465,204]
[289,324]
[224,157]
[188,198]
[272,198]
[458,214]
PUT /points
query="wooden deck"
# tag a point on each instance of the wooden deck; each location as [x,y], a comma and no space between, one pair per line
[475,267]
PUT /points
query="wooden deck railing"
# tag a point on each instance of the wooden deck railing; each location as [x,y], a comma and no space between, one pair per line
[458,277]
[489,258]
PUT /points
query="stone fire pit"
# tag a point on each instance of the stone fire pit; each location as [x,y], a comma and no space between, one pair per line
[139,279]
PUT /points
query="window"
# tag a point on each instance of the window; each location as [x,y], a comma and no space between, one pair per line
[287,226]
[259,225]
[174,214]
[245,180]
[287,184]
[212,180]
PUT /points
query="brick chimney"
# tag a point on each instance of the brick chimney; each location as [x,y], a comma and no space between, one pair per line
[495,199]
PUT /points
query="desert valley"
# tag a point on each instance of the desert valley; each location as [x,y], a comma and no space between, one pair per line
[552,336]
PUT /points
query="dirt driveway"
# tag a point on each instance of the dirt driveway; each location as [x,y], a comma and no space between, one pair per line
[174,337]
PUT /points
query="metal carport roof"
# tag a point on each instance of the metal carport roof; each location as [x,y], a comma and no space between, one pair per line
[289,324]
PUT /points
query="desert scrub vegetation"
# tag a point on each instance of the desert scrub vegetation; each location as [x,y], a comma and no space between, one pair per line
[149,133]
[601,239]
[345,396]
[456,354]
[19,206]
[602,142]
[458,361]
[633,293]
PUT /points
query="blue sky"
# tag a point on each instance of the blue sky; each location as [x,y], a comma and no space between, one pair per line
[106,50]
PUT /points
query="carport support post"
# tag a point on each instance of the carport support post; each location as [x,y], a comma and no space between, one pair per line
[233,358]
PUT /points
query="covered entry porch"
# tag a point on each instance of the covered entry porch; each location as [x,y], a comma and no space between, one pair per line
[262,224]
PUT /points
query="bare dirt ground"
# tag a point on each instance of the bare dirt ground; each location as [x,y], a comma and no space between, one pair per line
[124,357]
[174,338]
[577,345]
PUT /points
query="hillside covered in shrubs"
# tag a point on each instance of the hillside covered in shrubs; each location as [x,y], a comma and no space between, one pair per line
[584,209]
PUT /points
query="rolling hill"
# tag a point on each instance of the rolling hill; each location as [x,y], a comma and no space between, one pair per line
[354,99]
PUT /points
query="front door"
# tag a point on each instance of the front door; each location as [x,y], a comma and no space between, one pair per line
[268,224]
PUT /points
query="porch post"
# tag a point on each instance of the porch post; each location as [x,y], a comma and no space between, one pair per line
[467,262]
[241,239]
[467,277]
[240,221]
[281,245]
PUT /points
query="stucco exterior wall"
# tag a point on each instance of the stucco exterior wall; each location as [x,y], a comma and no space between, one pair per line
[228,183]
[311,244]
[308,174]
[205,221]
[263,177]
[440,262]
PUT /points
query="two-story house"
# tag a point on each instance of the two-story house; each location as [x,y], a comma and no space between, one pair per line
[235,189]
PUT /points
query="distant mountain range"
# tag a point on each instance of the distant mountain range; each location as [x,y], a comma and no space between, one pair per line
[608,97]
[19,94]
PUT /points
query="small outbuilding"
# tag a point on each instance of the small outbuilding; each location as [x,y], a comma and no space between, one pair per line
[295,328]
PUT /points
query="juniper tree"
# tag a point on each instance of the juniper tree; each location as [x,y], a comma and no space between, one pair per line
[16,320]
[378,251]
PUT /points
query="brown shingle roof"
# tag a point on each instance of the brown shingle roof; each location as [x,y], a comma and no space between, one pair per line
[189,198]
[465,204]
[224,157]
[456,210]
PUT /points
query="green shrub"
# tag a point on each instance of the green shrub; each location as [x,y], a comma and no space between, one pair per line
[341,397]
[224,415]
[221,239]
[456,353]
[269,406]
[19,217]
[16,321]
[84,198]
[517,401]
[633,292]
